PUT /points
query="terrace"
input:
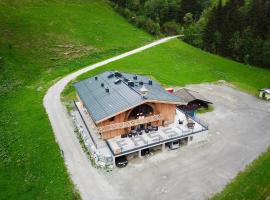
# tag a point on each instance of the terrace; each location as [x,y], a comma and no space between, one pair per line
[146,139]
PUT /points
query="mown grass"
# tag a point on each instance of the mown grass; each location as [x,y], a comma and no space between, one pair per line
[253,183]
[210,108]
[41,41]
[176,63]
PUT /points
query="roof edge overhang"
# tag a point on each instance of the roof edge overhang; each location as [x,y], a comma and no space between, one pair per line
[145,101]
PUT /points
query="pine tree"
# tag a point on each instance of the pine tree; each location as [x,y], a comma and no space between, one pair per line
[190,6]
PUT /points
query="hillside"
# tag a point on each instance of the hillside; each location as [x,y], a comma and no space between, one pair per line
[177,63]
[39,42]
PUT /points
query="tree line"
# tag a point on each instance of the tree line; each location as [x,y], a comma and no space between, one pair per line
[239,29]
[161,16]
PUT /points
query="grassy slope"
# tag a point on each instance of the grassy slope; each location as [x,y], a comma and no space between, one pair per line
[40,41]
[251,184]
[176,63]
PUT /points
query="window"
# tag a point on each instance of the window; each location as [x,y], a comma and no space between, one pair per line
[111,119]
[190,138]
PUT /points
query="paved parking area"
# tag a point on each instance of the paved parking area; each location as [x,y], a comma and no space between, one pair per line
[239,131]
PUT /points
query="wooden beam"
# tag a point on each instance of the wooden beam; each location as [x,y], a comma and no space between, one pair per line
[130,123]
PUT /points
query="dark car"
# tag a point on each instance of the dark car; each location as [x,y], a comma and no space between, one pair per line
[121,161]
[145,152]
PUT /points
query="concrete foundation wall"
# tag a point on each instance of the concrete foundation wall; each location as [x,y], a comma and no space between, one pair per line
[198,137]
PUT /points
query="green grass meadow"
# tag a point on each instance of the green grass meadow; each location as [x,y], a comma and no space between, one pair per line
[41,41]
[176,63]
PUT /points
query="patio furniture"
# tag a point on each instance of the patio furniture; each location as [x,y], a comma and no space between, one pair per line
[190,124]
[180,122]
[130,135]
[146,130]
[155,128]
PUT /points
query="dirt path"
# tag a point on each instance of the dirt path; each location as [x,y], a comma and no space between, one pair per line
[87,179]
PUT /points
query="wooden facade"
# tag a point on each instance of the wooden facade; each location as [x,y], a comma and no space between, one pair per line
[166,110]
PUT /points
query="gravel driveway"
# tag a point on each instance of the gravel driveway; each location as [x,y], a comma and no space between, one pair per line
[239,132]
[88,181]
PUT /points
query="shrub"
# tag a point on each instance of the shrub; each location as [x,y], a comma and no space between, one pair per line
[170,28]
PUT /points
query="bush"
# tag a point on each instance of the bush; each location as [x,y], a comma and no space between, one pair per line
[152,27]
[170,28]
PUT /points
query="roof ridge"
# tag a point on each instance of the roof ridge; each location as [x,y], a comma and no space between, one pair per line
[187,90]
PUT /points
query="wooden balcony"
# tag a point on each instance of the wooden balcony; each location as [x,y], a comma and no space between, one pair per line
[130,123]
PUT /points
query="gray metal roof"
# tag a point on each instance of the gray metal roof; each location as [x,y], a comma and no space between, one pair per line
[190,95]
[102,105]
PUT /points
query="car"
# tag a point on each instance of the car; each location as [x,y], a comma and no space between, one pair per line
[121,161]
[145,152]
[174,145]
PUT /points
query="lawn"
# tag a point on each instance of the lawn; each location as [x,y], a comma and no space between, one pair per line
[251,184]
[41,41]
[176,63]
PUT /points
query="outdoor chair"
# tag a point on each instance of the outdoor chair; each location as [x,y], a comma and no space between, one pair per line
[155,128]
[180,122]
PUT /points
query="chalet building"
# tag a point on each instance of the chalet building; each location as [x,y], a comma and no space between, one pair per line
[121,102]
[132,112]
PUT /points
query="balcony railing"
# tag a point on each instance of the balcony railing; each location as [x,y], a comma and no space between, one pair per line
[130,123]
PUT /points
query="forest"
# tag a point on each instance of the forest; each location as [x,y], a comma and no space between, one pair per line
[237,29]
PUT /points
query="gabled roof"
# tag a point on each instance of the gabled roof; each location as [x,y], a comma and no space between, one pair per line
[123,92]
[190,95]
[267,90]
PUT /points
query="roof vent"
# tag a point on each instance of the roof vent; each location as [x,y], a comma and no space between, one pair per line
[117,81]
[117,74]
[102,84]
[107,90]
[110,76]
[144,90]
[131,83]
[141,83]
[96,78]
[150,82]
[135,77]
